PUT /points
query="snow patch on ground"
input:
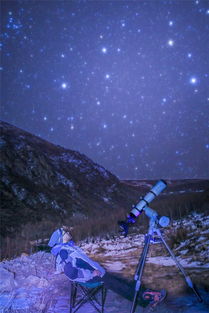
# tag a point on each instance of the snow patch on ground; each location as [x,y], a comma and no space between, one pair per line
[168,261]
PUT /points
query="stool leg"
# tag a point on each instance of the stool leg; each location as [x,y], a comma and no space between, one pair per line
[104,293]
[73,296]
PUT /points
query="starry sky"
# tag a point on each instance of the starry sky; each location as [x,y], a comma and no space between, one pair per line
[124,82]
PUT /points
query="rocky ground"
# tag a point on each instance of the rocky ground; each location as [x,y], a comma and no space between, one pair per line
[29,284]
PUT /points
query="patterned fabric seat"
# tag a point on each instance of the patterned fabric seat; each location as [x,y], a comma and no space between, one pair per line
[82,293]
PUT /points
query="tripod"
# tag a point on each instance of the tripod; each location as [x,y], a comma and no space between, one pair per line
[153,228]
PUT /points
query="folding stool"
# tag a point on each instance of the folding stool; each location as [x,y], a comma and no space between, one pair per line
[82,293]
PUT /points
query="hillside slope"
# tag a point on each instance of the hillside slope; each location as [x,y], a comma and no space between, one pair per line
[41,180]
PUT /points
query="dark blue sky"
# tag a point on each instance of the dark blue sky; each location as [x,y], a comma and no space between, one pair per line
[124,82]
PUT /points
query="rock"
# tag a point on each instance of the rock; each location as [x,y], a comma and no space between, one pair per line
[7,282]
[24,255]
[43,283]
[33,280]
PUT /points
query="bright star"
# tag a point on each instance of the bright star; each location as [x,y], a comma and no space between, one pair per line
[189,55]
[64,86]
[104,50]
[170,42]
[107,76]
[170,23]
[193,80]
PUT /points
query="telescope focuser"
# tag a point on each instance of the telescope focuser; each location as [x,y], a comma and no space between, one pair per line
[124,225]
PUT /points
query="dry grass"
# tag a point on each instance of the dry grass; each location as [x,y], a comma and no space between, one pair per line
[177,236]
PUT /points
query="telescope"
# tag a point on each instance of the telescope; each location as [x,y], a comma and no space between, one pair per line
[154,222]
[143,205]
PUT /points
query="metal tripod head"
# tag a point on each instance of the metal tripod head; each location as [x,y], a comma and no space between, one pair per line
[155,220]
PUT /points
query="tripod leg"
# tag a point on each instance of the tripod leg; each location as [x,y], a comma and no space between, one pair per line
[140,269]
[187,278]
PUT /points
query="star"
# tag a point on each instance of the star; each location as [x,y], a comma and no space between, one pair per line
[170,42]
[70,118]
[64,85]
[104,50]
[193,80]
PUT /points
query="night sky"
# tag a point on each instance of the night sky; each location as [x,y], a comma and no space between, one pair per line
[124,82]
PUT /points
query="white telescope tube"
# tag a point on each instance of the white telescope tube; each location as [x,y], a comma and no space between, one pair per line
[155,191]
